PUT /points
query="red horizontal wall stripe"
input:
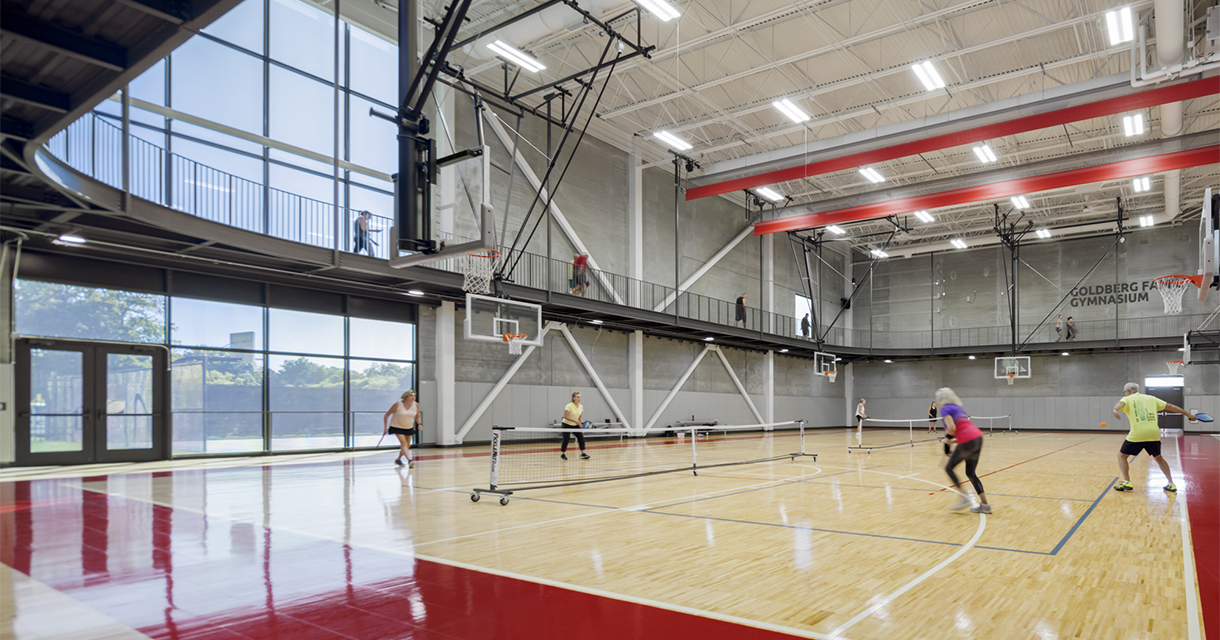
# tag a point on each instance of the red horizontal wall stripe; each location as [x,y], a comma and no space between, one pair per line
[1004,189]
[1140,100]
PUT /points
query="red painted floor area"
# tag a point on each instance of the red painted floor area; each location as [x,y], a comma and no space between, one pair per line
[1201,462]
[175,574]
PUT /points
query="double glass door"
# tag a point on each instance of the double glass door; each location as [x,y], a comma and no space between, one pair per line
[82,403]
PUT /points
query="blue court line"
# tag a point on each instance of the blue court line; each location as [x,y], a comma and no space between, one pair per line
[1079,522]
[1005,495]
[735,493]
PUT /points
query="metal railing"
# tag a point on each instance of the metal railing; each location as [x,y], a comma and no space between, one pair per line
[94,146]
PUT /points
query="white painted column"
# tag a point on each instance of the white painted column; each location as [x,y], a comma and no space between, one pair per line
[446,366]
[769,388]
[768,282]
[846,322]
[635,227]
[849,391]
[635,376]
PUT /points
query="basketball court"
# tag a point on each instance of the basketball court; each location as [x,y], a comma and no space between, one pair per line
[599,319]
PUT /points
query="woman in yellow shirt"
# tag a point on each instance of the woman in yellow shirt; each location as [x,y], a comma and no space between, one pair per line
[571,420]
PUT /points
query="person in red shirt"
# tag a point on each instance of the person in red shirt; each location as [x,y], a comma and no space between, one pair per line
[580,266]
[969,438]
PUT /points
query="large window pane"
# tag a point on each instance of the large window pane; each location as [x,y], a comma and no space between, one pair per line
[374,67]
[222,139]
[303,37]
[129,410]
[237,164]
[56,400]
[204,323]
[382,339]
[219,83]
[242,26]
[374,141]
[65,311]
[302,112]
[149,87]
[306,384]
[304,332]
[216,381]
[217,433]
[375,387]
[304,431]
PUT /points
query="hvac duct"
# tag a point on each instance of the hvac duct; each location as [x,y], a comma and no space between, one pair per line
[1170,51]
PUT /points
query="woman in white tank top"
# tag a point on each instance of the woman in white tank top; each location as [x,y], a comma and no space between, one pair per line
[404,420]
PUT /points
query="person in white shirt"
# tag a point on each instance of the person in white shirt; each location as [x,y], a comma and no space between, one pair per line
[404,420]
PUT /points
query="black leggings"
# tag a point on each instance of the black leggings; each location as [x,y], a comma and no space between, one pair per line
[967,452]
[567,437]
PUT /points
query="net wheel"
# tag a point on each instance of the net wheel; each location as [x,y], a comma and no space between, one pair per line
[474,497]
[504,501]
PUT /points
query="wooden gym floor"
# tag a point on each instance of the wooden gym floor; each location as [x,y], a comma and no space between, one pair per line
[858,546]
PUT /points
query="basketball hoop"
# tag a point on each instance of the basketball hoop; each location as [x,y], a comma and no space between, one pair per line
[477,268]
[831,375]
[514,342]
[1011,377]
[1173,366]
[1172,288]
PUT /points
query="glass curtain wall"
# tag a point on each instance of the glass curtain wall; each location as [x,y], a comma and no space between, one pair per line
[267,68]
[244,378]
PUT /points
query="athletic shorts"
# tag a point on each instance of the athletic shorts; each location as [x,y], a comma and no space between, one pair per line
[406,432]
[1134,448]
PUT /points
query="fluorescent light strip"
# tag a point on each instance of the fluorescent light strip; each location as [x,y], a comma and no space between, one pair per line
[985,154]
[768,194]
[924,216]
[1043,233]
[792,111]
[517,57]
[672,140]
[880,254]
[1119,26]
[836,230]
[661,9]
[872,175]
[1020,202]
[1142,184]
[1145,221]
[928,75]
[71,239]
[1133,125]
[960,244]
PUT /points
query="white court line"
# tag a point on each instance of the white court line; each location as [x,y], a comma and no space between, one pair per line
[1188,561]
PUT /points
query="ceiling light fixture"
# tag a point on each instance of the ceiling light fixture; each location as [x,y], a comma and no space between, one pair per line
[1064,353]
[1133,125]
[708,339]
[783,351]
[517,57]
[414,292]
[838,231]
[1020,202]
[889,362]
[1145,221]
[959,243]
[924,216]
[1043,233]
[793,112]
[660,8]
[596,321]
[68,238]
[767,193]
[673,141]
[927,75]
[1142,184]
[985,154]
[880,254]
[971,357]
[1118,24]
[872,175]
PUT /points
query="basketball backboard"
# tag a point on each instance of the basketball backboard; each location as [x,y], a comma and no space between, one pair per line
[488,319]
[1209,241]
[1016,365]
[824,365]
[466,196]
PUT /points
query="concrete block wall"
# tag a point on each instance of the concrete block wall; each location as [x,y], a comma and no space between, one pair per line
[538,392]
[1074,392]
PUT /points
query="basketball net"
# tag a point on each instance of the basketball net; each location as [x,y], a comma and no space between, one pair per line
[1172,288]
[1173,366]
[1011,377]
[514,341]
[477,268]
[831,375]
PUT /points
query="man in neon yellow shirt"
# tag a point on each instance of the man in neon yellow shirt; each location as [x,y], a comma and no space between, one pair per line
[1145,434]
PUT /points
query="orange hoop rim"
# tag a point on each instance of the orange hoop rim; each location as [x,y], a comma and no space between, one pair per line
[487,253]
[1011,375]
[1179,278]
[1175,362]
[508,337]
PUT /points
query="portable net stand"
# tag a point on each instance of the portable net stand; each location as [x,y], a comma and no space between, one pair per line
[528,457]
[1172,287]
[477,268]
[891,435]
[514,341]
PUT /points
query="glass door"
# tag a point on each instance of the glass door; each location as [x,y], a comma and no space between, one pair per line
[82,403]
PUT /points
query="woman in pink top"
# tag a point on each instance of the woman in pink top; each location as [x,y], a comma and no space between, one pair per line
[969,438]
[404,420]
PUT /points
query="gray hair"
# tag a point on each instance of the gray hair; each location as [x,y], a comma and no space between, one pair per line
[945,395]
[1132,387]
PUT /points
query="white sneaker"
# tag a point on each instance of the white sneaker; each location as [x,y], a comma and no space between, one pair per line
[982,508]
[963,503]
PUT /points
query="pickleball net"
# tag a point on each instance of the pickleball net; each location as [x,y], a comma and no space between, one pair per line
[880,433]
[525,458]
